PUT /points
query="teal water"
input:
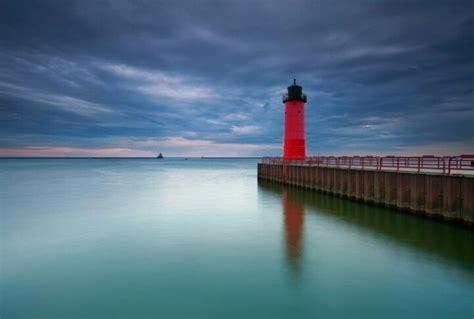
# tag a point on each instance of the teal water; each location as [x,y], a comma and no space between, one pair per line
[146,238]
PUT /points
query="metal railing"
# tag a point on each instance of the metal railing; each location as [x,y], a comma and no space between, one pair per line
[426,163]
[284,98]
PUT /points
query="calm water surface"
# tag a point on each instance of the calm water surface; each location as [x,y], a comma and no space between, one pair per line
[136,238]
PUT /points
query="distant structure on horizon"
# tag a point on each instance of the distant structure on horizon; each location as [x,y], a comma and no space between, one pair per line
[294,140]
[160,156]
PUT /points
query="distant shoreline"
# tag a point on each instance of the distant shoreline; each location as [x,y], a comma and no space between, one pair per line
[97,157]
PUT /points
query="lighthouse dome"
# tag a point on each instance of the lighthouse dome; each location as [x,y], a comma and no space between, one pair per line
[295,93]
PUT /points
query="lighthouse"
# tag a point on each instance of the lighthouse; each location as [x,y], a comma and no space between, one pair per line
[294,141]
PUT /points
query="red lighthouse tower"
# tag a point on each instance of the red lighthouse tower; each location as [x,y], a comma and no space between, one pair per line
[294,142]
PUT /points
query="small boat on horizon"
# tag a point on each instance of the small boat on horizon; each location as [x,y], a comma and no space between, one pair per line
[160,156]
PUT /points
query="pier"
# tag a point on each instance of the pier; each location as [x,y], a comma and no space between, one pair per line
[440,187]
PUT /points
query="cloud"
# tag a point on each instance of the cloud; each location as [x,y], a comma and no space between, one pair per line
[62,102]
[380,76]
[246,129]
[236,117]
[160,84]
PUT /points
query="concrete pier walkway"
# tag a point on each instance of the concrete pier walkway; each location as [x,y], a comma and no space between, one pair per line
[450,197]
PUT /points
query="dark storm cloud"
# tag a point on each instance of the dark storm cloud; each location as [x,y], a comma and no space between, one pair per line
[380,76]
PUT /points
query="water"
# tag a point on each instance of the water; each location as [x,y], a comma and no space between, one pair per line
[136,238]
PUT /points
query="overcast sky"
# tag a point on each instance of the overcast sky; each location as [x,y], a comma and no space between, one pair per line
[193,78]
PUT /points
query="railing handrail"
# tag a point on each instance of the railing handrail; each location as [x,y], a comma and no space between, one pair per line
[443,164]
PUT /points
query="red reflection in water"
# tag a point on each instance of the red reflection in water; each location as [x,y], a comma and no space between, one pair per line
[293,212]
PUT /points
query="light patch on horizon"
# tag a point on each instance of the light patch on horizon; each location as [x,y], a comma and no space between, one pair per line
[436,149]
[171,146]
[181,146]
[48,151]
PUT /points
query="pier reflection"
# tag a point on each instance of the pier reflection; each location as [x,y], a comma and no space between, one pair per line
[293,214]
[449,243]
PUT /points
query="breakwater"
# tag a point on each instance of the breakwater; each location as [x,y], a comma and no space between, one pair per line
[450,197]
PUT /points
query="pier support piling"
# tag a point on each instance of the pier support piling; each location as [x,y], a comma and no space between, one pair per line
[447,196]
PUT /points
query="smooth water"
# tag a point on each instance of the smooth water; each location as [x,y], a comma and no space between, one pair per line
[147,238]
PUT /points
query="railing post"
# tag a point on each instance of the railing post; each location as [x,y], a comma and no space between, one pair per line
[442,164]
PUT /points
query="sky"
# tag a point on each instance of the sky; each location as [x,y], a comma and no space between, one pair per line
[205,78]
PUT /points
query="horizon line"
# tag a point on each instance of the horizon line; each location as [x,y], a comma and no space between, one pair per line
[131,157]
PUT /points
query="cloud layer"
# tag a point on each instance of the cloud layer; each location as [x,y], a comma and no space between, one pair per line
[205,78]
